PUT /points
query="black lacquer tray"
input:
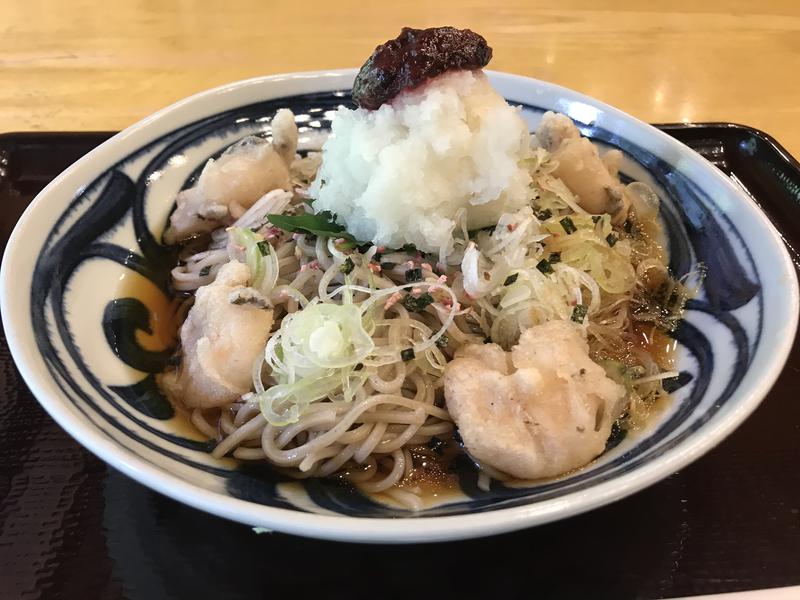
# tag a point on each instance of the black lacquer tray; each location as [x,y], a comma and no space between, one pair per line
[72,527]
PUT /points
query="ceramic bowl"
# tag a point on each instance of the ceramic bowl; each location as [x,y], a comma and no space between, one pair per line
[85,276]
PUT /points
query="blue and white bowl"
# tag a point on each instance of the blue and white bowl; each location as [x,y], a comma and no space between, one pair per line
[85,272]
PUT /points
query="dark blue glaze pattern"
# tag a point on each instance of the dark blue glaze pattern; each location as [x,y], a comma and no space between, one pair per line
[122,319]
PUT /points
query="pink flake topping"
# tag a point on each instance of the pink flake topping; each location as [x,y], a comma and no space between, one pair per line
[439,283]
[313,265]
[393,299]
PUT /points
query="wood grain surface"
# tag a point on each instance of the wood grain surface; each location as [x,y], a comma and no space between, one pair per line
[90,65]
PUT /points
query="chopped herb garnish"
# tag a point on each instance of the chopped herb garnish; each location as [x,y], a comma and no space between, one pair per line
[579,313]
[205,271]
[387,265]
[418,303]
[443,341]
[347,266]
[321,223]
[413,275]
[250,296]
[544,266]
[358,367]
[511,279]
[256,301]
[555,257]
[568,225]
[487,340]
[407,354]
[545,214]
[263,247]
[611,239]
[409,248]
[596,219]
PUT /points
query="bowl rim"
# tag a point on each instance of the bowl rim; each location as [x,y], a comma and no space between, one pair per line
[15,301]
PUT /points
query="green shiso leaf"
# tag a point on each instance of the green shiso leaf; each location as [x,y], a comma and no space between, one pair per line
[321,223]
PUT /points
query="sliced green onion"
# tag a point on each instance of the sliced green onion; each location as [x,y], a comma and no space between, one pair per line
[611,239]
[511,279]
[515,293]
[260,259]
[407,354]
[315,355]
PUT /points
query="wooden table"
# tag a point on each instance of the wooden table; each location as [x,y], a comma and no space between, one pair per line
[102,65]
[87,65]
